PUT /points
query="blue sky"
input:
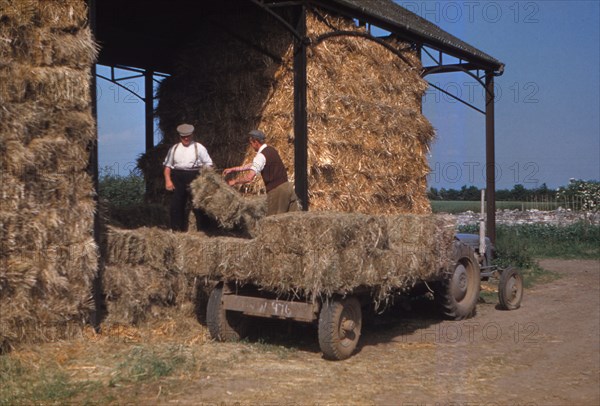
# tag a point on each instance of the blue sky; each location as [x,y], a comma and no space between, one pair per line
[547,105]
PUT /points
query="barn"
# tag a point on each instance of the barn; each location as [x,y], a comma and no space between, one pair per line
[341,104]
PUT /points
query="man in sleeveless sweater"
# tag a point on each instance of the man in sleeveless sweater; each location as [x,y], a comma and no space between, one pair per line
[182,164]
[280,193]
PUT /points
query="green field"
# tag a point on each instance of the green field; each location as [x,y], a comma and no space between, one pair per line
[459,206]
[520,244]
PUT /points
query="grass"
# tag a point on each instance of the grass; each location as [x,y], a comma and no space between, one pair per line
[22,384]
[281,351]
[521,245]
[143,363]
[48,379]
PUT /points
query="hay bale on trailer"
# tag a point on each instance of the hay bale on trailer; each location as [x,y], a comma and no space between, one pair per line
[367,137]
[150,270]
[48,257]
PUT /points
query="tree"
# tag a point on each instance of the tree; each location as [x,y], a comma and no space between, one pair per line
[121,191]
[519,193]
[587,193]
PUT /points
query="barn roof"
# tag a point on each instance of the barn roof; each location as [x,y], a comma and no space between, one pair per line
[135,33]
[394,18]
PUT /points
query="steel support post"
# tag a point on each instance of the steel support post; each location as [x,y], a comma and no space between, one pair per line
[149,103]
[490,156]
[300,117]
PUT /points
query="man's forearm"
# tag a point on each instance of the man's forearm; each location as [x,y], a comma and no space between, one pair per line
[168,182]
[246,178]
[239,168]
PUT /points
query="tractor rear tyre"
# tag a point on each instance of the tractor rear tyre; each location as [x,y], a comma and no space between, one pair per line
[510,289]
[457,294]
[340,322]
[224,325]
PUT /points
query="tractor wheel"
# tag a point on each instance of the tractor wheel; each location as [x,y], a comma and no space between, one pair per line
[224,325]
[457,294]
[510,289]
[340,322]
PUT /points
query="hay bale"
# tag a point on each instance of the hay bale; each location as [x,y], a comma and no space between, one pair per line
[53,86]
[150,247]
[132,290]
[219,200]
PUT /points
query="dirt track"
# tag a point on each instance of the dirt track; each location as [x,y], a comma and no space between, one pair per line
[546,353]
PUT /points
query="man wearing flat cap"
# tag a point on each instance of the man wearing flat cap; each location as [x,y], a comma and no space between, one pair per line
[182,164]
[280,193]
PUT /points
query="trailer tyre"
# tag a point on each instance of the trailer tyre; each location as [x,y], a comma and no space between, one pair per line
[224,325]
[340,322]
[458,293]
[510,289]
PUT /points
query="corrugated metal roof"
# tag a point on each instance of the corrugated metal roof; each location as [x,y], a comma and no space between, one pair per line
[394,18]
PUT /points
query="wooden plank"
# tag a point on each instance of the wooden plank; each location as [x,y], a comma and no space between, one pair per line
[261,307]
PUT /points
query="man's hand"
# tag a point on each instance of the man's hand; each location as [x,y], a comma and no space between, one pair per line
[169,186]
[231,182]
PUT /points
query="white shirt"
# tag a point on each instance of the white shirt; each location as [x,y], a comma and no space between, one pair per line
[192,157]
[260,160]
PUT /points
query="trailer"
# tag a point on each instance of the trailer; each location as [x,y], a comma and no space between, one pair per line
[339,317]
[339,314]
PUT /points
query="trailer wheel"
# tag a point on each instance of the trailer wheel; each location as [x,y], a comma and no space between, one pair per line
[510,289]
[340,322]
[224,325]
[458,293]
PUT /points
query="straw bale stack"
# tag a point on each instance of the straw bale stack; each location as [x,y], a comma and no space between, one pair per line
[326,252]
[48,257]
[141,271]
[368,139]
[150,270]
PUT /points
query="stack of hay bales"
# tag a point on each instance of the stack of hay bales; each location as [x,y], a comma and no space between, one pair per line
[368,139]
[323,253]
[150,270]
[141,270]
[48,257]
[306,254]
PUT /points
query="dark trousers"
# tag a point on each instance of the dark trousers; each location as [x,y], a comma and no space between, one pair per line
[181,195]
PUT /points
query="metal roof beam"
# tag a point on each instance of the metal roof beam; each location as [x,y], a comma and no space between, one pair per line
[455,67]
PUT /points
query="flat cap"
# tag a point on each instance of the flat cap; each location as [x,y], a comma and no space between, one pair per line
[185,129]
[257,135]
